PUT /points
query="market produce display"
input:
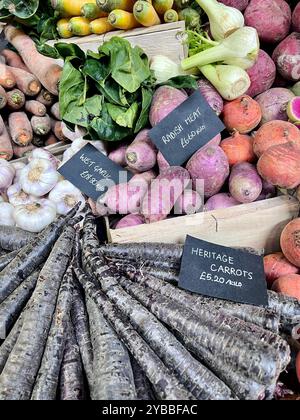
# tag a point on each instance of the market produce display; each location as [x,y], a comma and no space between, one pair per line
[85,319]
[115,305]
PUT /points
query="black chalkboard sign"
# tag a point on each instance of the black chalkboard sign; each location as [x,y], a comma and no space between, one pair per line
[224,273]
[92,172]
[186,130]
[3,41]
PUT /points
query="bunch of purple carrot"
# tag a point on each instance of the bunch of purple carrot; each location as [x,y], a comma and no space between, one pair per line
[80,319]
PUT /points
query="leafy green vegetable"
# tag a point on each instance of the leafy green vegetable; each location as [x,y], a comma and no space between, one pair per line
[122,77]
[22,9]
[182,82]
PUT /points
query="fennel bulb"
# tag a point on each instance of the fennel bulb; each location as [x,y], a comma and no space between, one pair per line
[164,68]
[230,81]
[224,20]
[240,49]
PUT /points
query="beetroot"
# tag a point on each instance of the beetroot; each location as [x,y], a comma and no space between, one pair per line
[164,192]
[130,220]
[287,57]
[238,4]
[164,101]
[271,18]
[190,202]
[296,18]
[220,201]
[273,104]
[262,74]
[245,185]
[209,165]
[213,98]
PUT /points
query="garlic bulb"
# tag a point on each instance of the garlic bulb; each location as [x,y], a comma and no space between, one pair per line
[18,166]
[7,214]
[39,177]
[78,144]
[41,153]
[66,196]
[36,216]
[16,196]
[7,174]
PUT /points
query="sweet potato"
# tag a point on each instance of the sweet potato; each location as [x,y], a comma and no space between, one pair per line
[20,128]
[238,148]
[296,18]
[271,18]
[164,101]
[276,265]
[242,114]
[273,104]
[220,201]
[290,242]
[190,202]
[15,99]
[238,4]
[287,57]
[288,285]
[280,165]
[262,74]
[274,133]
[245,185]
[163,193]
[7,79]
[213,98]
[130,220]
[141,154]
[209,165]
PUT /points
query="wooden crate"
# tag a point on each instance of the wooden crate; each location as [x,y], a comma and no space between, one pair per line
[163,39]
[257,225]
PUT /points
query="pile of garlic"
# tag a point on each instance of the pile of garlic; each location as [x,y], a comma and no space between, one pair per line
[34,195]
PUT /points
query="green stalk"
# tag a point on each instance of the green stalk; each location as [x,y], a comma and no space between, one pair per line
[211,55]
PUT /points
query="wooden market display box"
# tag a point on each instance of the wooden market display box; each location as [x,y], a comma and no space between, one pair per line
[257,225]
[166,39]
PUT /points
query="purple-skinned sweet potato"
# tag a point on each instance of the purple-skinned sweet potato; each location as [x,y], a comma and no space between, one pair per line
[209,166]
[190,202]
[296,18]
[164,101]
[287,57]
[220,201]
[141,154]
[130,220]
[238,4]
[119,155]
[273,104]
[271,18]
[245,185]
[262,74]
[213,98]
[164,192]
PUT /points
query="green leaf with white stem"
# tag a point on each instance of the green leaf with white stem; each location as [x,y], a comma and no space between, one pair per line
[230,81]
[22,9]
[240,48]
[224,20]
